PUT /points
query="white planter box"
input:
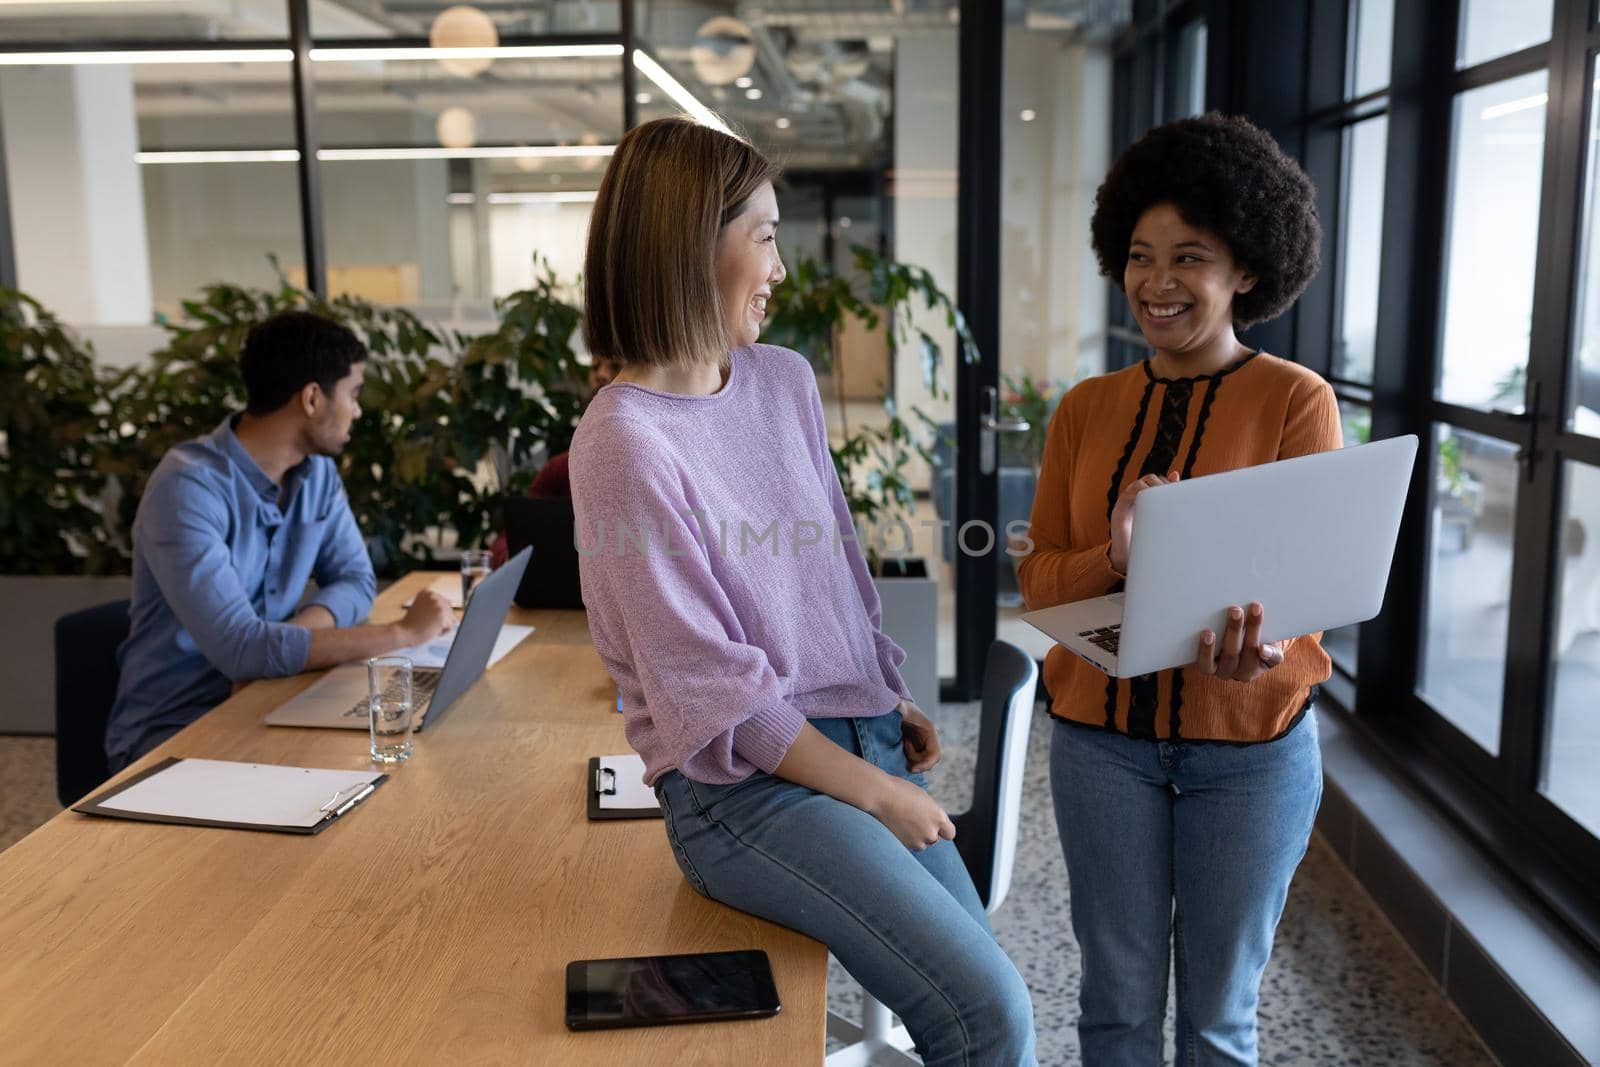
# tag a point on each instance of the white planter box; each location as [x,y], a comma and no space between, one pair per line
[27,656]
[911,618]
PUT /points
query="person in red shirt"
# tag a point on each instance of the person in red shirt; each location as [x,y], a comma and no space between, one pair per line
[552,481]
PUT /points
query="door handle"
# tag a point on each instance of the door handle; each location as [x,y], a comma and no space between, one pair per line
[1530,454]
[992,425]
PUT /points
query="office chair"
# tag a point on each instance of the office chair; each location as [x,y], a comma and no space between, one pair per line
[86,687]
[986,837]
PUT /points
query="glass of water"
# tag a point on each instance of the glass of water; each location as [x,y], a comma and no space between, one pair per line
[474,568]
[389,708]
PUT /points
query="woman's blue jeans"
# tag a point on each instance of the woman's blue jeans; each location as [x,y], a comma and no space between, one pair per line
[907,925]
[1186,848]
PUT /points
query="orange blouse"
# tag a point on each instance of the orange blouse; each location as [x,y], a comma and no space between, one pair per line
[1111,430]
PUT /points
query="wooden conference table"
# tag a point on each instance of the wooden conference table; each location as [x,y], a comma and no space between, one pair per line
[431,925]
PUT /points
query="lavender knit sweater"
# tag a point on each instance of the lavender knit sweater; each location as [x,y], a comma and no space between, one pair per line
[726,593]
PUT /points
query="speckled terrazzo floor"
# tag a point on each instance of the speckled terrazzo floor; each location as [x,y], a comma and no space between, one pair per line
[1342,989]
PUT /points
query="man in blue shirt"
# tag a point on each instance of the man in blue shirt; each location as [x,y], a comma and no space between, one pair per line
[232,526]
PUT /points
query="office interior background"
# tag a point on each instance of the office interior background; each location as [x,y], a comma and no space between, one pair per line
[152,148]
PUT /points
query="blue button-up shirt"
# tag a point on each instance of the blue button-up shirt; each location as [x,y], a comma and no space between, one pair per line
[221,558]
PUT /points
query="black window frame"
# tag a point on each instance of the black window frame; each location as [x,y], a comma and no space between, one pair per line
[1528,830]
[1308,107]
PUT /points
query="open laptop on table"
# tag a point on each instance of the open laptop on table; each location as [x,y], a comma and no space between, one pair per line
[1311,539]
[339,698]
[545,524]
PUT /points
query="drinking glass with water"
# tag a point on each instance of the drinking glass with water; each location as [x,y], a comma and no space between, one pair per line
[474,568]
[389,708]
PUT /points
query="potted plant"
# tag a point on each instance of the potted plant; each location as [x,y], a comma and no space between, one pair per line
[875,463]
[446,418]
[57,550]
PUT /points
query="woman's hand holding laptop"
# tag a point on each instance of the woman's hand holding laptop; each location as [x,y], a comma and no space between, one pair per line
[1122,517]
[1241,657]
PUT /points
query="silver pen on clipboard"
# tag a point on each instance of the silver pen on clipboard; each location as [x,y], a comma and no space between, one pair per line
[333,808]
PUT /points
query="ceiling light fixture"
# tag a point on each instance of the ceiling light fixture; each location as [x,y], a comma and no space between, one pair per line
[724,49]
[232,155]
[1511,107]
[486,152]
[339,155]
[530,51]
[463,27]
[574,197]
[456,128]
[674,89]
[224,56]
[142,56]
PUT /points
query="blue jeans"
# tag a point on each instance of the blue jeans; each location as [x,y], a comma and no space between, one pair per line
[1185,846]
[907,925]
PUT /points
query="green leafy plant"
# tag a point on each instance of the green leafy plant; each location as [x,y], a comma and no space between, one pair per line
[403,471]
[1450,464]
[1034,401]
[1511,388]
[522,385]
[806,312]
[445,420]
[52,424]
[449,423]
[1359,423]
[183,391]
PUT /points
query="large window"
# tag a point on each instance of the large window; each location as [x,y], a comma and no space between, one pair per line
[1583,398]
[1474,506]
[1456,152]
[1497,162]
[1485,349]
[1493,28]
[1350,135]
[458,147]
[133,183]
[1360,245]
[1572,747]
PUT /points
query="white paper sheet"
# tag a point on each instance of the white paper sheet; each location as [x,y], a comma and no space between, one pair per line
[631,790]
[261,794]
[447,586]
[433,653]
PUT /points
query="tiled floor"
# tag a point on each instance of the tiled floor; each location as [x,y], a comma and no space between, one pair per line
[1341,989]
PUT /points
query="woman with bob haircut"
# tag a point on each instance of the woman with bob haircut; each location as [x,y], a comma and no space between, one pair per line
[1184,798]
[728,599]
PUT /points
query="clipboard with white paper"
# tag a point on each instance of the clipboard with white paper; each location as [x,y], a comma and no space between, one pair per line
[242,796]
[617,789]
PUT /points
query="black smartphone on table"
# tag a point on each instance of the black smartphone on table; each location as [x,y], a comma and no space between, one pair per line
[657,990]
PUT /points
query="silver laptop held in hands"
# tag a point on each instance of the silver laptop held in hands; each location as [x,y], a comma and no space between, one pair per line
[1311,539]
[339,698]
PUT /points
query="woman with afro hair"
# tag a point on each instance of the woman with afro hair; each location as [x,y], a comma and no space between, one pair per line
[1185,798]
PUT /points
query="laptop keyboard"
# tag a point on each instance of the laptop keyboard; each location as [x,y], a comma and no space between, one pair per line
[1104,638]
[423,683]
